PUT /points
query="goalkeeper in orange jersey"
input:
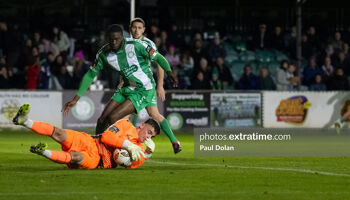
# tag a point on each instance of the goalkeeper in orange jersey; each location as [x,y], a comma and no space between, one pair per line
[84,151]
[345,116]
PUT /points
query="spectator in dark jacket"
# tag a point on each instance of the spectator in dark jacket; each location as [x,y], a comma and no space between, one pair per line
[318,84]
[248,80]
[310,72]
[339,81]
[216,49]
[199,83]
[224,73]
[266,82]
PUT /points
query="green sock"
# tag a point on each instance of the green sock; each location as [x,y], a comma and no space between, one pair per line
[134,119]
[164,125]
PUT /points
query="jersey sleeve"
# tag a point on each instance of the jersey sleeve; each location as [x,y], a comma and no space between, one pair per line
[116,134]
[145,49]
[90,75]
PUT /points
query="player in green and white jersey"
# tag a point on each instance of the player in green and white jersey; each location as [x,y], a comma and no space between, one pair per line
[137,28]
[132,58]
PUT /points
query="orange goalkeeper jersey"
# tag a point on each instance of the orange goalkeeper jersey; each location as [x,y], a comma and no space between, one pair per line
[114,137]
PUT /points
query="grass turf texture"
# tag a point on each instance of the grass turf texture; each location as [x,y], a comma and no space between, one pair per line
[24,175]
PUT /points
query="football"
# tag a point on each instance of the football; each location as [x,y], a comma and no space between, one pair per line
[121,157]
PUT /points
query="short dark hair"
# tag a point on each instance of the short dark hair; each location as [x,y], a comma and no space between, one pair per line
[154,124]
[114,28]
[137,19]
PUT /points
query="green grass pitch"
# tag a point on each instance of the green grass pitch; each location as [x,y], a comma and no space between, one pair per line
[167,176]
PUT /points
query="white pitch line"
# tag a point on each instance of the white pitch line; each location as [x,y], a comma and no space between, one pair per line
[307,171]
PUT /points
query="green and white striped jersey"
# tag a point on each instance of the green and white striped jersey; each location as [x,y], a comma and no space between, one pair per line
[132,60]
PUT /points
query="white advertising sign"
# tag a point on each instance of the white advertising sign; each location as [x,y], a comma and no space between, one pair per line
[45,106]
[302,109]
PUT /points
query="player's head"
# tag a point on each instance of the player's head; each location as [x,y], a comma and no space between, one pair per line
[114,36]
[148,129]
[137,28]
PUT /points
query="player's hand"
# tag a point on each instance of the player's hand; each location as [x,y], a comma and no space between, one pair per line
[150,144]
[172,78]
[136,152]
[161,93]
[66,108]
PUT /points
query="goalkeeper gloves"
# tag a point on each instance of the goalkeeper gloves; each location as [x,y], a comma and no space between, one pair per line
[136,151]
[150,144]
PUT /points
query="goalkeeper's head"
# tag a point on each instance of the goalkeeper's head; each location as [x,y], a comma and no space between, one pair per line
[148,129]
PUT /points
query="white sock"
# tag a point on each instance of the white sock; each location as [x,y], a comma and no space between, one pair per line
[29,123]
[47,153]
[340,121]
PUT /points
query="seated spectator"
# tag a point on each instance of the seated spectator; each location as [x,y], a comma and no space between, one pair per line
[276,39]
[266,82]
[327,70]
[307,49]
[61,40]
[199,83]
[290,41]
[161,48]
[36,38]
[59,62]
[80,67]
[164,44]
[205,69]
[64,79]
[216,49]
[47,46]
[215,82]
[32,73]
[172,57]
[313,38]
[248,80]
[337,41]
[154,32]
[224,73]
[188,62]
[281,78]
[197,53]
[293,80]
[310,72]
[338,81]
[341,62]
[45,72]
[260,39]
[318,84]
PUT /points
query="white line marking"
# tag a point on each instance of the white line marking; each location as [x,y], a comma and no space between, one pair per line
[307,171]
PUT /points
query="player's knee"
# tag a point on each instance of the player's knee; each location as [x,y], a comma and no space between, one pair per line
[156,116]
[77,157]
[59,135]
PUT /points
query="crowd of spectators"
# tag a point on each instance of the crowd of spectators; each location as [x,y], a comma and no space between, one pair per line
[54,60]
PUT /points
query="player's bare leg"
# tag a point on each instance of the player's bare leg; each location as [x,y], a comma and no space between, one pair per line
[42,128]
[103,122]
[165,126]
[124,109]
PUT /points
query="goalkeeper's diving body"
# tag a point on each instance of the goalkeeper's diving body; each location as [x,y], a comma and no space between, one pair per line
[132,58]
[83,151]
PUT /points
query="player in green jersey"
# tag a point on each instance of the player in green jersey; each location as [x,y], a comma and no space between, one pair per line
[137,29]
[132,58]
